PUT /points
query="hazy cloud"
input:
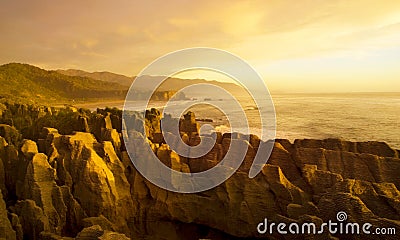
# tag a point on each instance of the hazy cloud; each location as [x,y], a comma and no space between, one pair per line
[124,36]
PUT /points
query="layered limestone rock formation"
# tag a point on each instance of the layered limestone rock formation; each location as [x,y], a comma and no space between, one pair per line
[78,182]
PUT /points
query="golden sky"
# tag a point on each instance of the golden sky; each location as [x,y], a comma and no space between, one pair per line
[302,46]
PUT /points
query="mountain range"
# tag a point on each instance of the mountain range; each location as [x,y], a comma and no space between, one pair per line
[30,84]
[170,84]
[103,76]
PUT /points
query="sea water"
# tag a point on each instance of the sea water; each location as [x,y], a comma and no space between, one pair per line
[353,116]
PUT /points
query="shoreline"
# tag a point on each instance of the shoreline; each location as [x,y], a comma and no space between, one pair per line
[281,132]
[103,104]
[80,164]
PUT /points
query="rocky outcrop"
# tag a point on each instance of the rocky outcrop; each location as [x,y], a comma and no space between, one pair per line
[96,232]
[291,188]
[7,231]
[10,134]
[305,181]
[167,95]
[78,182]
[55,187]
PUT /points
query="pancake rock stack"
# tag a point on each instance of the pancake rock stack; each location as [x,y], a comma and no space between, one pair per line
[76,181]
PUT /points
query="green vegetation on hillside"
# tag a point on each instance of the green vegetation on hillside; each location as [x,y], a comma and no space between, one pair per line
[24,83]
[103,76]
[169,84]
[27,83]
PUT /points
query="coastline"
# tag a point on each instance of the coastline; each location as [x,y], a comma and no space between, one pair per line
[355,117]
[76,179]
[100,104]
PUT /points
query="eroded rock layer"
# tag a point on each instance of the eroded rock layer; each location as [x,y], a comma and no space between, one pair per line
[79,182]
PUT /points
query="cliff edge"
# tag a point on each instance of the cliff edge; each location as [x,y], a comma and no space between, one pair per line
[65,174]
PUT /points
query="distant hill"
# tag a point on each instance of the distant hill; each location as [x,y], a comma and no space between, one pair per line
[171,84]
[103,76]
[27,83]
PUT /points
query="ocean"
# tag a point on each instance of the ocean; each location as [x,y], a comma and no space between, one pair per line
[355,117]
[352,116]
